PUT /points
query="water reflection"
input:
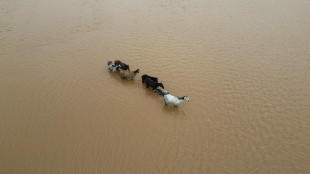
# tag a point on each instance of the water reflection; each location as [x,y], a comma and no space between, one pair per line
[235,66]
[172,110]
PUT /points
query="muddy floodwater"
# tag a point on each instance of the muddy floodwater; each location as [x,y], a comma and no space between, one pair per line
[245,66]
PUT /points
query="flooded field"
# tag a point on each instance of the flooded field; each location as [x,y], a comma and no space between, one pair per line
[245,65]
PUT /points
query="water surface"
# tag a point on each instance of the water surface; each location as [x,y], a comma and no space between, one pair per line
[245,66]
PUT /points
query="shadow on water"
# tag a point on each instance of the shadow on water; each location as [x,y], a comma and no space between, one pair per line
[172,110]
[150,93]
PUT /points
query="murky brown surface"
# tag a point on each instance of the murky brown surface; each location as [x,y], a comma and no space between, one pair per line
[244,65]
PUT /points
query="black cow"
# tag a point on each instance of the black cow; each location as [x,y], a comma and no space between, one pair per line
[154,85]
[145,76]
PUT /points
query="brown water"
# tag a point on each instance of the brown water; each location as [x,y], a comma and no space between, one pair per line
[245,66]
